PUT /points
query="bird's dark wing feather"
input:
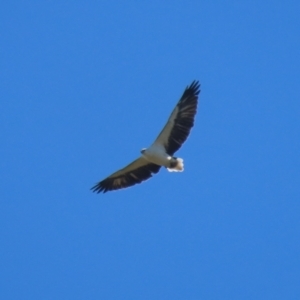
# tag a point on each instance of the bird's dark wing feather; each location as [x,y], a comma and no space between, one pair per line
[181,120]
[136,172]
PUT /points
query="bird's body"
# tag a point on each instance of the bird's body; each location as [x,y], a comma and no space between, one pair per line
[161,152]
[157,155]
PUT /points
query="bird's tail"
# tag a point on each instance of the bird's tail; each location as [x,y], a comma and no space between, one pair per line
[176,165]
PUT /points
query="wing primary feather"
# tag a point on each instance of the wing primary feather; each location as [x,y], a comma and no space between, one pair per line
[127,177]
[179,124]
[184,119]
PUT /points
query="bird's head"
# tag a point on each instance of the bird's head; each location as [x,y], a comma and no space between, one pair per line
[143,150]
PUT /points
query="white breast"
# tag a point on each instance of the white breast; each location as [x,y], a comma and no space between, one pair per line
[156,154]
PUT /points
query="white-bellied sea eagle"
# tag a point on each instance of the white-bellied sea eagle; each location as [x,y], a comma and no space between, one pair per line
[161,152]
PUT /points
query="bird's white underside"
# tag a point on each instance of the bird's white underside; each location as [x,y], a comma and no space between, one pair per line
[156,154]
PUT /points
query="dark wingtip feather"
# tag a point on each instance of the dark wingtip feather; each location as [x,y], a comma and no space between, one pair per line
[96,189]
[193,89]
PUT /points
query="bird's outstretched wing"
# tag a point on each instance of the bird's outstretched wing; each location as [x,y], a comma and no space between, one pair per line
[180,121]
[136,172]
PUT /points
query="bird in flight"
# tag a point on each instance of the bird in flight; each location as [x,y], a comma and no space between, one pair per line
[161,152]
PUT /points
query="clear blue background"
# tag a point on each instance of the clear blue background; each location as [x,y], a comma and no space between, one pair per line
[85,85]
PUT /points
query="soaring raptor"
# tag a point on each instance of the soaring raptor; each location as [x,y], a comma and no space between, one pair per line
[161,152]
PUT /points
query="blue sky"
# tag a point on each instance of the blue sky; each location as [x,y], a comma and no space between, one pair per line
[85,86]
